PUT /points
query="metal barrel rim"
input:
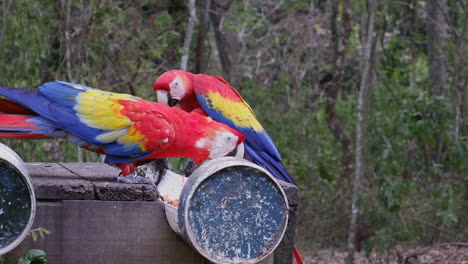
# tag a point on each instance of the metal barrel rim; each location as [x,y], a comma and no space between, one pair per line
[200,175]
[9,156]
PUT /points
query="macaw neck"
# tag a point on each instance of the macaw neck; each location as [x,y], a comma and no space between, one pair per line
[189,129]
[189,102]
[193,130]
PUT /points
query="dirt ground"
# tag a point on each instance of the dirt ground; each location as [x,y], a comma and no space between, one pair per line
[450,253]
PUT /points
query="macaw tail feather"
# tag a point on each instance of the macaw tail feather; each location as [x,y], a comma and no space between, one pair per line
[271,164]
[9,107]
[22,136]
[21,100]
[297,256]
[19,122]
[25,127]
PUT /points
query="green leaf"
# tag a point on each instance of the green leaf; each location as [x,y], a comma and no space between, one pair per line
[324,173]
[437,169]
[450,219]
[34,256]
[385,154]
[34,236]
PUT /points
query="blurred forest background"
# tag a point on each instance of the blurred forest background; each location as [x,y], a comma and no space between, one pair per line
[366,100]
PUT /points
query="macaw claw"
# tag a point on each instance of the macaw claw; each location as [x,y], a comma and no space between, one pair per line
[134,178]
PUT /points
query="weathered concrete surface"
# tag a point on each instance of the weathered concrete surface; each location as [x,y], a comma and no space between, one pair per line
[85,181]
[53,182]
[94,219]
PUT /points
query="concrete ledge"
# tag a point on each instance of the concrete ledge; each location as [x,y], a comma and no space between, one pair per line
[95,219]
[85,181]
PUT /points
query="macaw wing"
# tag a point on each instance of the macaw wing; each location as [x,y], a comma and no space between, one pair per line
[111,121]
[90,114]
[9,107]
[123,124]
[224,104]
[275,167]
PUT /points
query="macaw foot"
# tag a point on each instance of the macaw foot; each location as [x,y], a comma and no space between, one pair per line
[134,178]
[190,167]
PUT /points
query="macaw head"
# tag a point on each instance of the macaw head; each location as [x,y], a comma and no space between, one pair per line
[216,140]
[173,86]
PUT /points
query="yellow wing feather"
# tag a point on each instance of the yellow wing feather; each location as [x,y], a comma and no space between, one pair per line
[100,109]
[239,112]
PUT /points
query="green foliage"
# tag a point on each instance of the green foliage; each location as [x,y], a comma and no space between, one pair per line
[415,186]
[41,231]
[34,256]
[407,128]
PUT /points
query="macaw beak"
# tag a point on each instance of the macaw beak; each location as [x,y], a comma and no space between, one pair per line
[171,101]
[238,152]
[166,98]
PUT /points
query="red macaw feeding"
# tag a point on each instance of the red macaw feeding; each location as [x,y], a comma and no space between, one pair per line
[213,96]
[125,128]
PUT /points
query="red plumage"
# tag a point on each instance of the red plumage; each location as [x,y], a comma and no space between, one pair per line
[129,130]
[9,107]
[10,121]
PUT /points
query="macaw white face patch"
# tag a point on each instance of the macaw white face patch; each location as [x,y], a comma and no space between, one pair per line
[220,145]
[177,88]
[162,97]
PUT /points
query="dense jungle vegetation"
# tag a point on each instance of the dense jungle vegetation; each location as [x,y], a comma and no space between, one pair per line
[313,71]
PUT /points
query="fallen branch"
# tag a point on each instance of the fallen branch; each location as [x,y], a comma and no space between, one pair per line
[411,258]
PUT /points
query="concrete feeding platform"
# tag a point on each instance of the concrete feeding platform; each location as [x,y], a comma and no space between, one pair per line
[94,219]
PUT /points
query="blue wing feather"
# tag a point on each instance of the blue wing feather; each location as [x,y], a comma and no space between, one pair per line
[125,159]
[274,166]
[258,144]
[54,103]
[62,93]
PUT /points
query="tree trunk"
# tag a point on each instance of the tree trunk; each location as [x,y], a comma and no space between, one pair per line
[360,127]
[332,86]
[200,59]
[188,35]
[3,29]
[458,26]
[436,35]
[436,32]
[66,9]
[217,17]
[66,5]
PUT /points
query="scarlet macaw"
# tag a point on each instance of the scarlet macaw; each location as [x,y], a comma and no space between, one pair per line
[213,96]
[127,129]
